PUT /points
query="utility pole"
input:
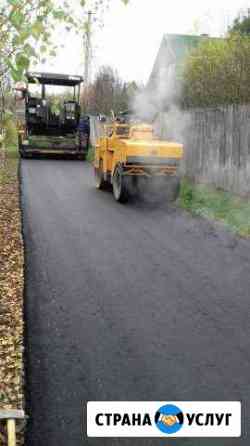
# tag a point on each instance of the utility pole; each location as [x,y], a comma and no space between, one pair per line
[88,55]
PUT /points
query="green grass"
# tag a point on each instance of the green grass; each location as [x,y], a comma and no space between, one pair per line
[12,151]
[216,204]
[8,163]
[9,151]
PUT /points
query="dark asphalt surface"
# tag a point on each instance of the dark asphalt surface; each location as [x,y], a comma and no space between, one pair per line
[135,302]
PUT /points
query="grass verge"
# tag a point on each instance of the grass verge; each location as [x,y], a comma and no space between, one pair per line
[214,204]
[11,288]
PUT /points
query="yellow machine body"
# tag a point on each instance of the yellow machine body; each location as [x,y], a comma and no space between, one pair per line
[135,151]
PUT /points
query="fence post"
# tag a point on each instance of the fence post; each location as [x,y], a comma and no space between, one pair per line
[11,429]
[10,416]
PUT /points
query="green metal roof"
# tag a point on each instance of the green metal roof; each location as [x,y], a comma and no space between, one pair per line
[182,44]
[173,50]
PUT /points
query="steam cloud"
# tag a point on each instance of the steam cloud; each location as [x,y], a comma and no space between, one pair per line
[158,102]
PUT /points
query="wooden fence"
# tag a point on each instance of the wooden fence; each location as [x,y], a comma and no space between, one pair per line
[217,144]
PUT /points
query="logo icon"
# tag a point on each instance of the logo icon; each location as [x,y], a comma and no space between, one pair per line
[169,419]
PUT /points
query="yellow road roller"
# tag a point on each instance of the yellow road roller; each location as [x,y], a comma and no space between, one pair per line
[130,158]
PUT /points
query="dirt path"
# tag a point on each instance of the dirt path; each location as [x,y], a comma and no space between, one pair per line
[11,292]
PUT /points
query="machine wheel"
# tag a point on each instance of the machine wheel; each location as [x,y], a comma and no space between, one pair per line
[20,147]
[23,154]
[173,186]
[81,156]
[120,186]
[99,177]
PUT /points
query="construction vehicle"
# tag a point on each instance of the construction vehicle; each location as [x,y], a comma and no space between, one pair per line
[130,158]
[42,129]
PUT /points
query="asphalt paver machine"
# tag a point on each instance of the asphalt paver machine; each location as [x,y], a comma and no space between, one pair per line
[46,129]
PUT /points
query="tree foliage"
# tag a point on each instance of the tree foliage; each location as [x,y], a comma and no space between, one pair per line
[26,29]
[241,24]
[218,73]
[25,32]
[108,92]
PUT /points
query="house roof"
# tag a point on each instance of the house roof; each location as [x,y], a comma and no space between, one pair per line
[182,44]
[174,48]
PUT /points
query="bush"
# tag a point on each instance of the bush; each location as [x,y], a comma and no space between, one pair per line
[218,73]
[10,128]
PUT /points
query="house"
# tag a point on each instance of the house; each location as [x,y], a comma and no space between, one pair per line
[165,79]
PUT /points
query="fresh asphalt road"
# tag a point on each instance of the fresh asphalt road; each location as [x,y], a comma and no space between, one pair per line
[126,302]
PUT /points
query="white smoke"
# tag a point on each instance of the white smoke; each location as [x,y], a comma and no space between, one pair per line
[158,102]
[158,95]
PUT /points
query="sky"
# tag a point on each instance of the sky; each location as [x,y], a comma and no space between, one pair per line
[132,34]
